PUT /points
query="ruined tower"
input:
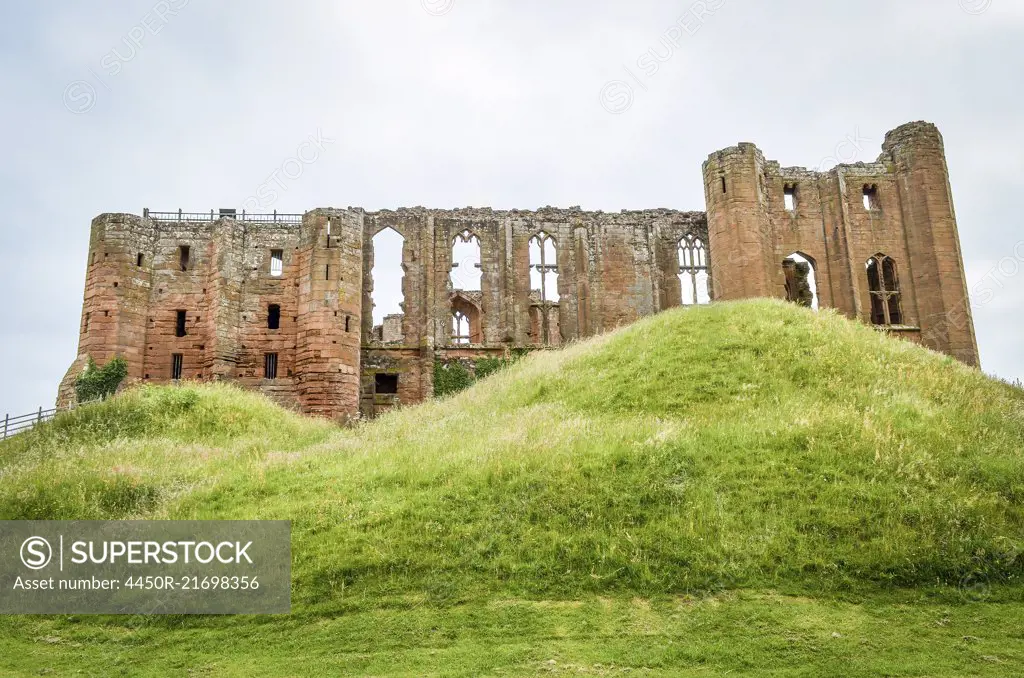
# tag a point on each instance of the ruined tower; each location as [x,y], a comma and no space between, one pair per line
[118,272]
[918,158]
[329,278]
[742,242]
[880,238]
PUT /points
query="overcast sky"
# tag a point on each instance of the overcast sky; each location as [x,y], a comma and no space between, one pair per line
[115,106]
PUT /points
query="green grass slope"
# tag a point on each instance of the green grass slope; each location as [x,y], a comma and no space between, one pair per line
[748,487]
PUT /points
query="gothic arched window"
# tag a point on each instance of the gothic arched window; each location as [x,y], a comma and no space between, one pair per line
[544,266]
[460,328]
[466,272]
[884,288]
[693,271]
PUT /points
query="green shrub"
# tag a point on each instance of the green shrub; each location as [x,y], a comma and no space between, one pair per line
[487,366]
[97,383]
[450,378]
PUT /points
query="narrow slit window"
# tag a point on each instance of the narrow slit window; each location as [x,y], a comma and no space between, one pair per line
[273,317]
[184,253]
[723,185]
[327,272]
[177,365]
[276,263]
[347,318]
[270,366]
[179,326]
[138,260]
[789,197]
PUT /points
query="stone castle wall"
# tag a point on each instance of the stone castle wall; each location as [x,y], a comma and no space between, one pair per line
[899,206]
[608,269]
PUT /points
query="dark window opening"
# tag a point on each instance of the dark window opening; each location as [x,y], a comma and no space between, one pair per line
[138,260]
[386,384]
[183,256]
[276,263]
[723,185]
[273,317]
[270,366]
[884,288]
[177,363]
[327,272]
[347,319]
[871,203]
[179,326]
[789,197]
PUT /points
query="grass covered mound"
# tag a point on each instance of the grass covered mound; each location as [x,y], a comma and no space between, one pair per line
[750,446]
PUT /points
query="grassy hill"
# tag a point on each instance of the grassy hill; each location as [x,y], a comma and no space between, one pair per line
[746,487]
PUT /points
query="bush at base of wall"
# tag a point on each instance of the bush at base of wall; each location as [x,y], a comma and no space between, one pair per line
[453,376]
[96,383]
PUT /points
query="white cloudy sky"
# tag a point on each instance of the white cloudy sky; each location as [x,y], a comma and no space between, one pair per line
[488,103]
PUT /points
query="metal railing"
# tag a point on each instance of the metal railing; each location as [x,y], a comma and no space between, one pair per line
[213,215]
[24,422]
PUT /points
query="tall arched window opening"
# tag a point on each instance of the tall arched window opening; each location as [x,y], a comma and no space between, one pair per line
[544,289]
[466,271]
[693,271]
[884,288]
[386,294]
[801,281]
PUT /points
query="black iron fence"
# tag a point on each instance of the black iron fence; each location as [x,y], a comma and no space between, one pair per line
[213,215]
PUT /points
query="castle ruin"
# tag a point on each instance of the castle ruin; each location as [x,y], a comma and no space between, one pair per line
[283,304]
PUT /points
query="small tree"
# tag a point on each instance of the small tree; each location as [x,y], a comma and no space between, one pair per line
[100,382]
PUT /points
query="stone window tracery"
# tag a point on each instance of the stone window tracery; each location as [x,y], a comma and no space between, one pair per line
[884,289]
[693,271]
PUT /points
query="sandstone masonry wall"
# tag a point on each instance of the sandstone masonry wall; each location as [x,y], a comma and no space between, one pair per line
[313,274]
